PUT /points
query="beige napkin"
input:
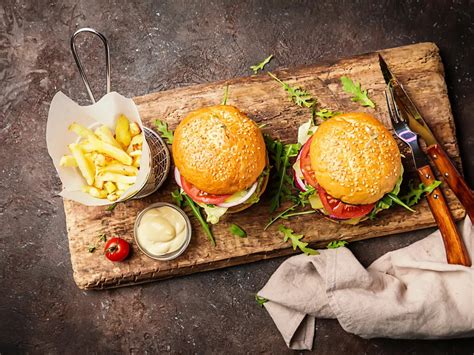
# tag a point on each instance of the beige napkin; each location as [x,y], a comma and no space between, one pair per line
[408,293]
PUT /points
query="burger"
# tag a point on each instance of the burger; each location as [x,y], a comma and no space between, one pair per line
[352,165]
[220,160]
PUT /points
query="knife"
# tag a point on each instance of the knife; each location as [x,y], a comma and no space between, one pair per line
[439,157]
[456,252]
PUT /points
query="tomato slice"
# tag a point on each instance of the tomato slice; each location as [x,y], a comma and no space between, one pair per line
[201,196]
[305,164]
[341,210]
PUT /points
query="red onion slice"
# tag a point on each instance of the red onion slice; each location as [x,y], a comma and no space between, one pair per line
[177,177]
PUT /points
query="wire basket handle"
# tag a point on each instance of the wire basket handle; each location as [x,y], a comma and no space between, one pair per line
[79,64]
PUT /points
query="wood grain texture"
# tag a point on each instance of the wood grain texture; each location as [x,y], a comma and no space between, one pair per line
[417,66]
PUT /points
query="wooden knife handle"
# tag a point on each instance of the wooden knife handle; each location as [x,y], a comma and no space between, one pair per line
[456,252]
[453,178]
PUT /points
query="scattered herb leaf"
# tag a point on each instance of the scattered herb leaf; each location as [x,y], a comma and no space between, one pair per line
[358,95]
[260,300]
[262,64]
[111,207]
[296,94]
[296,240]
[238,231]
[101,238]
[415,193]
[166,133]
[325,114]
[337,244]
[226,95]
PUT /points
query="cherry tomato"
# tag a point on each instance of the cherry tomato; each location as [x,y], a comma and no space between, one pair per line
[341,210]
[201,196]
[305,164]
[117,249]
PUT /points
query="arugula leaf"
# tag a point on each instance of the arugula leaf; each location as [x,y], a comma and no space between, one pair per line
[359,95]
[111,207]
[395,199]
[166,133]
[296,240]
[387,201]
[260,300]
[177,197]
[415,193]
[280,155]
[296,94]
[325,114]
[197,212]
[238,231]
[304,195]
[101,238]
[262,64]
[337,244]
[226,94]
[286,214]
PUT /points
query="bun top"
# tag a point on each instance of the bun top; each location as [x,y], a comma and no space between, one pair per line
[355,158]
[219,149]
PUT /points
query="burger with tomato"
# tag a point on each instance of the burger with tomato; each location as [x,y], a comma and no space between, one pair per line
[220,160]
[353,165]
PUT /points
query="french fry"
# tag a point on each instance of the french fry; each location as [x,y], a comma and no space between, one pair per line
[136,141]
[80,130]
[99,160]
[122,131]
[110,187]
[105,134]
[136,161]
[108,149]
[135,153]
[85,167]
[94,191]
[122,186]
[118,178]
[119,169]
[134,129]
[113,196]
[68,161]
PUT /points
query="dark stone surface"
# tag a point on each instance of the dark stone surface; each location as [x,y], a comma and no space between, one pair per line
[158,46]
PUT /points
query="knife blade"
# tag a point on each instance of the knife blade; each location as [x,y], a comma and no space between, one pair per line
[439,157]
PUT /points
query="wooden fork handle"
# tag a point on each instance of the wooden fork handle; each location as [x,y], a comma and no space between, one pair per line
[456,252]
[453,178]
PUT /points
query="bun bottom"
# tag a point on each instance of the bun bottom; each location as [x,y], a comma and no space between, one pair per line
[244,206]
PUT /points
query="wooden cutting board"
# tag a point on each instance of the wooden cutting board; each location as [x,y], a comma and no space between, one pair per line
[418,66]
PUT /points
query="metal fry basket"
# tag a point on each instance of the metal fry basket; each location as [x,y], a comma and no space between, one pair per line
[160,159]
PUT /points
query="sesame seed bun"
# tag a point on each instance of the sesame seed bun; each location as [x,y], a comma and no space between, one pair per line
[219,150]
[355,158]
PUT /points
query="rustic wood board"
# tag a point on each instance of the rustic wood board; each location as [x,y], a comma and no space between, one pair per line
[418,66]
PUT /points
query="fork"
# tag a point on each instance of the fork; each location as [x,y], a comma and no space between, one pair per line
[456,252]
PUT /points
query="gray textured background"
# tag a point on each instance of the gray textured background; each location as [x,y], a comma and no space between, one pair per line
[158,46]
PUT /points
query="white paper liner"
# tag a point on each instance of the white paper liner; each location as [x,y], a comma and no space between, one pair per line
[64,111]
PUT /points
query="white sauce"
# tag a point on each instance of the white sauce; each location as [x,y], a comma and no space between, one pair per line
[161,230]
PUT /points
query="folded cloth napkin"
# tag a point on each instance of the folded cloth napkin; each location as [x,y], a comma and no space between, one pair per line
[408,293]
